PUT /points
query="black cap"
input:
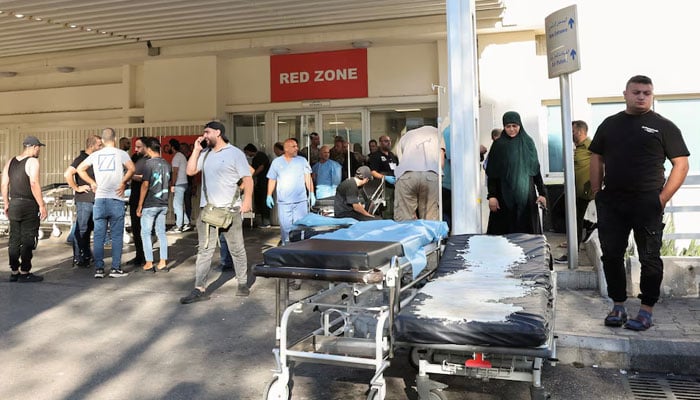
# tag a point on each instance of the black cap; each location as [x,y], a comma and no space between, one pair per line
[32,141]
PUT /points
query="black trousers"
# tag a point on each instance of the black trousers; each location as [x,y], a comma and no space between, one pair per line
[136,230]
[618,214]
[24,229]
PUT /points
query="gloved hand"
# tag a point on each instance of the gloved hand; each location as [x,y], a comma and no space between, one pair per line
[269,201]
[390,179]
[312,199]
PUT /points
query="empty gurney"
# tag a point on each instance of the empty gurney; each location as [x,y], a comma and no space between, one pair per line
[372,267]
[488,313]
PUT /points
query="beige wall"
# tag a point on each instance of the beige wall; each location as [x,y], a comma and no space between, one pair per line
[181,89]
[402,70]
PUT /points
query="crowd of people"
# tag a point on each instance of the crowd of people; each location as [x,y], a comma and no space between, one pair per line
[621,169]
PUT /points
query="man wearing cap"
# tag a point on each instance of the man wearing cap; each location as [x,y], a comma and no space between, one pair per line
[222,166]
[24,208]
[347,197]
[417,189]
[113,169]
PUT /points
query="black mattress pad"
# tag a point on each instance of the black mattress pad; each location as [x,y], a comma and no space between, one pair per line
[333,254]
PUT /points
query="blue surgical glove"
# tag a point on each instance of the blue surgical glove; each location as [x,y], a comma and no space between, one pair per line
[270,203]
[390,179]
[312,199]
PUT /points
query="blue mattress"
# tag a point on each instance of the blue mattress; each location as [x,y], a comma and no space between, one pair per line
[488,291]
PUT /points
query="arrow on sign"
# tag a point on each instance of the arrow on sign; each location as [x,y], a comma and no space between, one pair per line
[571,23]
[573,54]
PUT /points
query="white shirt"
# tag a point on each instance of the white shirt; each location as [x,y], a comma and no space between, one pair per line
[180,162]
[108,165]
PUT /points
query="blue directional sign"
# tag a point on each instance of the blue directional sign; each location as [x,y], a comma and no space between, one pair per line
[563,52]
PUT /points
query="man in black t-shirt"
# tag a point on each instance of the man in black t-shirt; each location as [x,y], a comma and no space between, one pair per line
[153,204]
[84,201]
[627,179]
[261,164]
[382,163]
[346,203]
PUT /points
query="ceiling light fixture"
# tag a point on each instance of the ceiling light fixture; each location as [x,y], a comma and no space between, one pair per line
[73,25]
[65,69]
[8,74]
[279,50]
[19,15]
[407,109]
[336,123]
[361,44]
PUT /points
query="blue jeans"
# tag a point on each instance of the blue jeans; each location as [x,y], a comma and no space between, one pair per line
[179,205]
[289,214]
[225,259]
[108,212]
[81,233]
[148,216]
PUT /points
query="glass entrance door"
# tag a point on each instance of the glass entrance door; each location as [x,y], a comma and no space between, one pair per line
[297,126]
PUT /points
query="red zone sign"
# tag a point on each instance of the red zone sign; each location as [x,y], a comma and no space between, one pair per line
[326,75]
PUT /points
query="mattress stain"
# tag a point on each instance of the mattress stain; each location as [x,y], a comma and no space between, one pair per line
[476,293]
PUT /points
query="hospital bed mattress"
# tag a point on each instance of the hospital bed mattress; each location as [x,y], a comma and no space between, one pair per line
[333,254]
[488,291]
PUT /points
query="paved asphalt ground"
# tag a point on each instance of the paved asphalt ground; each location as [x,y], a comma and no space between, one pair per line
[76,337]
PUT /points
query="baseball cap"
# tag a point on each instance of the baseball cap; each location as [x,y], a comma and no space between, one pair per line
[32,141]
[364,173]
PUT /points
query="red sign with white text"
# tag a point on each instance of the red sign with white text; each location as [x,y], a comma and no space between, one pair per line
[311,76]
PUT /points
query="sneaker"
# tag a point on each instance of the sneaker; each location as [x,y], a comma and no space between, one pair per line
[117,273]
[99,273]
[186,228]
[562,260]
[14,277]
[174,230]
[30,278]
[194,296]
[265,226]
[617,317]
[243,291]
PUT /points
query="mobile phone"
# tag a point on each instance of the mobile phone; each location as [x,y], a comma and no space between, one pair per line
[204,143]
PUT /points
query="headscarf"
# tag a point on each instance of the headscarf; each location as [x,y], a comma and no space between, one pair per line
[513,161]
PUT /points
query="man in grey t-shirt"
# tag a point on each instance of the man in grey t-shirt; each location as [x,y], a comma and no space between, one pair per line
[113,169]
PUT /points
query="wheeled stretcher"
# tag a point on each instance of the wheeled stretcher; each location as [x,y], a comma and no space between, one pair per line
[60,209]
[372,266]
[488,313]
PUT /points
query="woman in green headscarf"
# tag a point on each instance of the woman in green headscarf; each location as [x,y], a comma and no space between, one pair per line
[514,180]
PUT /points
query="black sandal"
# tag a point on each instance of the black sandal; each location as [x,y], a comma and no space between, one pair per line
[617,317]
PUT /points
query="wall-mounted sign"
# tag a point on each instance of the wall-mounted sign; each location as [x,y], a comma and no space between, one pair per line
[563,52]
[326,75]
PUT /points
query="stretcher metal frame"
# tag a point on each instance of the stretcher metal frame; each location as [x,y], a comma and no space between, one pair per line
[522,364]
[505,363]
[60,210]
[351,298]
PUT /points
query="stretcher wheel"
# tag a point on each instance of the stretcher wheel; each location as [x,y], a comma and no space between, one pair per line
[418,354]
[275,390]
[436,394]
[538,393]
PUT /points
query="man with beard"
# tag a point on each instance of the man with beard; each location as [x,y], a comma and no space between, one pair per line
[139,159]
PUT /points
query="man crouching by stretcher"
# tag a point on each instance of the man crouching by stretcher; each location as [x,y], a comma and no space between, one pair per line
[347,196]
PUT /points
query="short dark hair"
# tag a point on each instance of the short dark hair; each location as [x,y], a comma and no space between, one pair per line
[279,146]
[578,124]
[174,144]
[217,126]
[250,147]
[153,144]
[313,134]
[372,141]
[645,80]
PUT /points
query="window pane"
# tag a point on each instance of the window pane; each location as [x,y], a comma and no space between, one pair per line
[348,125]
[600,111]
[248,128]
[392,123]
[554,139]
[684,114]
[295,126]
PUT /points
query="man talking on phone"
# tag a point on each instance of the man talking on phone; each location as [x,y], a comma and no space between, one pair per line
[222,166]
